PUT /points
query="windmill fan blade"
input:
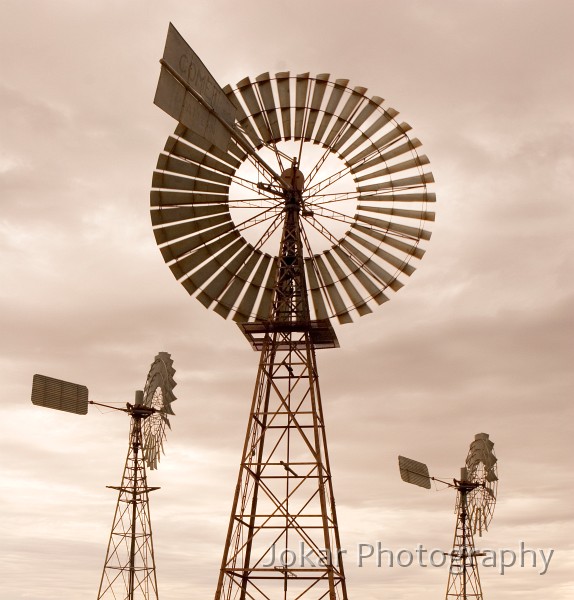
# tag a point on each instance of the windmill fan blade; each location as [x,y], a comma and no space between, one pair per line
[247,91]
[301,88]
[266,93]
[337,92]
[354,127]
[414,472]
[198,188]
[59,395]
[319,90]
[342,120]
[283,87]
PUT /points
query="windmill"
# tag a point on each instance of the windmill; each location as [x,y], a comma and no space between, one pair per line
[285,202]
[476,498]
[129,569]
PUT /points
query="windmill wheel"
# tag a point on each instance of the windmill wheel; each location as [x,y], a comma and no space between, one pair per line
[481,468]
[364,186]
[157,394]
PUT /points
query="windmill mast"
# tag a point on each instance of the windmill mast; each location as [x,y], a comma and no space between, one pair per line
[283,506]
[129,568]
[463,576]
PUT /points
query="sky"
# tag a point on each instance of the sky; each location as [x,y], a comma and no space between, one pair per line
[480,338]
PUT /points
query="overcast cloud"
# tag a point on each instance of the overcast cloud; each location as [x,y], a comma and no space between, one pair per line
[480,338]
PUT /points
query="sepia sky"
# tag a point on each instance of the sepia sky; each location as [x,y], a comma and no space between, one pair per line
[480,338]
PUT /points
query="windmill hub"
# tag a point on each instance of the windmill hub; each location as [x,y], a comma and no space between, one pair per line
[295,177]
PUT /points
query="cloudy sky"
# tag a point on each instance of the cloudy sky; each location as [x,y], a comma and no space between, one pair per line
[479,340]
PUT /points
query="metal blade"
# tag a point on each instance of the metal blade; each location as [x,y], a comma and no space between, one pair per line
[380,273]
[340,309]
[405,247]
[220,282]
[190,136]
[284,102]
[161,198]
[413,163]
[365,280]
[414,472]
[420,215]
[356,298]
[264,307]
[59,395]
[248,301]
[367,135]
[173,181]
[246,89]
[266,92]
[398,132]
[404,230]
[406,182]
[316,293]
[399,264]
[173,164]
[320,86]
[240,278]
[301,88]
[357,95]
[366,112]
[175,214]
[179,230]
[390,198]
[184,251]
[210,264]
[336,94]
[242,118]
[399,150]
[180,148]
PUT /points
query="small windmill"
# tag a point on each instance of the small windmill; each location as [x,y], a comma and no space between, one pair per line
[476,498]
[129,569]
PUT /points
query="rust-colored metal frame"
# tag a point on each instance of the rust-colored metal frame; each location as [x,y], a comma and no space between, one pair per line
[129,568]
[463,578]
[283,537]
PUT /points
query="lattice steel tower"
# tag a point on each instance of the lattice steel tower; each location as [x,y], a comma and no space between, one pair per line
[283,506]
[463,577]
[129,568]
[226,193]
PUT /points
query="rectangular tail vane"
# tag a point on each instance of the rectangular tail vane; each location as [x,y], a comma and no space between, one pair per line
[414,472]
[59,395]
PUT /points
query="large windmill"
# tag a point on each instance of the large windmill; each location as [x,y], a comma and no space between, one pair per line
[475,502]
[285,202]
[129,571]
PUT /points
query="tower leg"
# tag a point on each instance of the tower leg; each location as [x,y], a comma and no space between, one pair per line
[129,569]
